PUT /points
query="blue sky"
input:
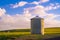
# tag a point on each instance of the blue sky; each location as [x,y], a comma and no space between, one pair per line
[6,4]
[21,11]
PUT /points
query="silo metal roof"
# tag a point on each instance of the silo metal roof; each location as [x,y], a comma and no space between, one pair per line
[37,17]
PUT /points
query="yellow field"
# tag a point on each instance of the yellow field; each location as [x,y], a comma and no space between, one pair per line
[49,32]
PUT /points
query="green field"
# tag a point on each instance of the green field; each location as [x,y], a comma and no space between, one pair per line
[22,33]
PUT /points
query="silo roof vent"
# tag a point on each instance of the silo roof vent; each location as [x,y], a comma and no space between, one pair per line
[36,17]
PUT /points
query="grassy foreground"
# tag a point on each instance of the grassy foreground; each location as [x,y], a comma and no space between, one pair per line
[25,33]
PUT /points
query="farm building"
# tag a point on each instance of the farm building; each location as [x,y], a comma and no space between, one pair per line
[37,25]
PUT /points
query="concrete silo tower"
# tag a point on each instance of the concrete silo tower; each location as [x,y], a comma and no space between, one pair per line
[37,25]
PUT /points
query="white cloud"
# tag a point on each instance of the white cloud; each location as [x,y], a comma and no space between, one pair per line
[42,1]
[39,2]
[52,23]
[27,13]
[14,22]
[2,11]
[37,10]
[52,6]
[20,4]
[35,2]
[49,18]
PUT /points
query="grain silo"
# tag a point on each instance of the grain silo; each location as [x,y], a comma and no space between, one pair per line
[37,25]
